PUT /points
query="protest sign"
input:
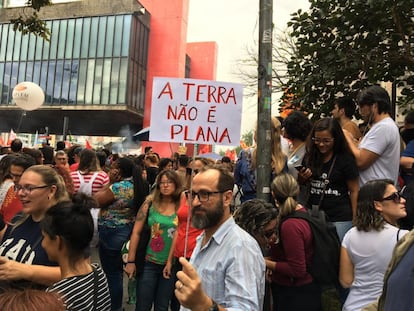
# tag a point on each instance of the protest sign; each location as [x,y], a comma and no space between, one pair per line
[196,111]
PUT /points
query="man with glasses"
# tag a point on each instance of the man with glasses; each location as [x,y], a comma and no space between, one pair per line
[11,204]
[226,269]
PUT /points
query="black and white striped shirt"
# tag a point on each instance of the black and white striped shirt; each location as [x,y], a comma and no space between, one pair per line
[78,291]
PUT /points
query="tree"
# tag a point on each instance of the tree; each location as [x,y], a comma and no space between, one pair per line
[30,23]
[345,45]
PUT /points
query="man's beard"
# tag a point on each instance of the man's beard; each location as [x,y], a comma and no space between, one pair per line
[209,219]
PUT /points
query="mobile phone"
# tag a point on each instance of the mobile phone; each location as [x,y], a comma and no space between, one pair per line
[299,167]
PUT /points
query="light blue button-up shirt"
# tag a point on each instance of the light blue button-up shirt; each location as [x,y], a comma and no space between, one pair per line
[231,268]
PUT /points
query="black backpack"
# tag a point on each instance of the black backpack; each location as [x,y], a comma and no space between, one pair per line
[326,247]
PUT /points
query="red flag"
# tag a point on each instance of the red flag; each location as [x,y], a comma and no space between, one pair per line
[87,144]
[1,141]
[12,136]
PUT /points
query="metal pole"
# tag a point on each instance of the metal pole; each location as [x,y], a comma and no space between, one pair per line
[65,127]
[264,134]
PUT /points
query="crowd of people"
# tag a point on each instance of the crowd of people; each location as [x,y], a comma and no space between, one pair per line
[173,226]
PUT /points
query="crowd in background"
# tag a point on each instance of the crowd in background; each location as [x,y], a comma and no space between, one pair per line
[142,215]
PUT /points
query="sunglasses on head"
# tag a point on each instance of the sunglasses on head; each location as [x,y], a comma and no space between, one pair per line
[395,197]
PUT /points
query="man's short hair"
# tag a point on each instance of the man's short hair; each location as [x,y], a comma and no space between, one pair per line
[16,145]
[23,160]
[225,181]
[409,118]
[375,94]
[183,160]
[348,104]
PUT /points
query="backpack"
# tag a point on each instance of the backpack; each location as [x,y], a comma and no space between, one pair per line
[326,247]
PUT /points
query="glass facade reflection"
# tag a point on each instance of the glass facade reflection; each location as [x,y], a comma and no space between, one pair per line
[89,61]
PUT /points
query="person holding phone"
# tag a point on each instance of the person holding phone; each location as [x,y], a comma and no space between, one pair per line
[331,175]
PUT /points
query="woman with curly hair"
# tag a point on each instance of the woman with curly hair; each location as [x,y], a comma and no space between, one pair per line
[155,285]
[367,247]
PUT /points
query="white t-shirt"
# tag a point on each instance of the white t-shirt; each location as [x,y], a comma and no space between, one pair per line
[370,252]
[384,140]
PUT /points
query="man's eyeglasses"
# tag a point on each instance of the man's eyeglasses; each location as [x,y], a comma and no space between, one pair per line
[27,188]
[203,196]
[324,141]
[395,197]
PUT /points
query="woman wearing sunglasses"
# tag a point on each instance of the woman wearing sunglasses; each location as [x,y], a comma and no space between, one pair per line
[367,247]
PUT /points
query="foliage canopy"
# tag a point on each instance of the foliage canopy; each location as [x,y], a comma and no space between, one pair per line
[345,45]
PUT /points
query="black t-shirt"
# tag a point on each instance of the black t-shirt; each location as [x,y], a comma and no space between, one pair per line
[336,202]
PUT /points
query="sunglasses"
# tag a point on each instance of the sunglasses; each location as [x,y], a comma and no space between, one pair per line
[395,197]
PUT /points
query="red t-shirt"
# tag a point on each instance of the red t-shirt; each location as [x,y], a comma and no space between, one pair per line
[193,233]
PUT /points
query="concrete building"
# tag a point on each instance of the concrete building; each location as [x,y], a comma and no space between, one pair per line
[98,66]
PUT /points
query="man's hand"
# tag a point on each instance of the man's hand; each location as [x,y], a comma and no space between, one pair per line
[189,290]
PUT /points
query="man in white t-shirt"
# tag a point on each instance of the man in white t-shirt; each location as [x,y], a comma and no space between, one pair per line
[378,154]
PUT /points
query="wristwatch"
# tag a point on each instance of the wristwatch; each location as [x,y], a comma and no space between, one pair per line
[214,307]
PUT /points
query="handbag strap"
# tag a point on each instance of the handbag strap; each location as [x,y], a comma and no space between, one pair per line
[315,209]
[95,288]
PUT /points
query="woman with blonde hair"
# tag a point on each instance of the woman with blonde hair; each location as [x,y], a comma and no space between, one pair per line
[23,261]
[293,287]
[245,172]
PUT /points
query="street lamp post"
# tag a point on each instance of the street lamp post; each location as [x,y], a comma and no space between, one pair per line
[264,134]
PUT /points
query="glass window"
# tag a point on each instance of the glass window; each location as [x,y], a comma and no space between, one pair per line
[125,35]
[1,82]
[17,45]
[54,39]
[69,38]
[50,87]
[89,81]
[22,73]
[123,81]
[78,34]
[57,88]
[10,44]
[82,81]
[118,39]
[43,79]
[85,37]
[109,46]
[39,49]
[36,72]
[93,36]
[113,95]
[62,39]
[29,71]
[106,80]
[46,44]
[97,82]
[73,81]
[101,37]
[31,49]
[6,83]
[3,41]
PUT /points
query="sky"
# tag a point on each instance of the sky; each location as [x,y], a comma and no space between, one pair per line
[234,25]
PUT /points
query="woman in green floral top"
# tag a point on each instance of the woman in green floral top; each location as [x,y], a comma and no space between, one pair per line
[154,285]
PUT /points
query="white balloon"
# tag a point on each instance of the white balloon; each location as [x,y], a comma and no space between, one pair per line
[28,95]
